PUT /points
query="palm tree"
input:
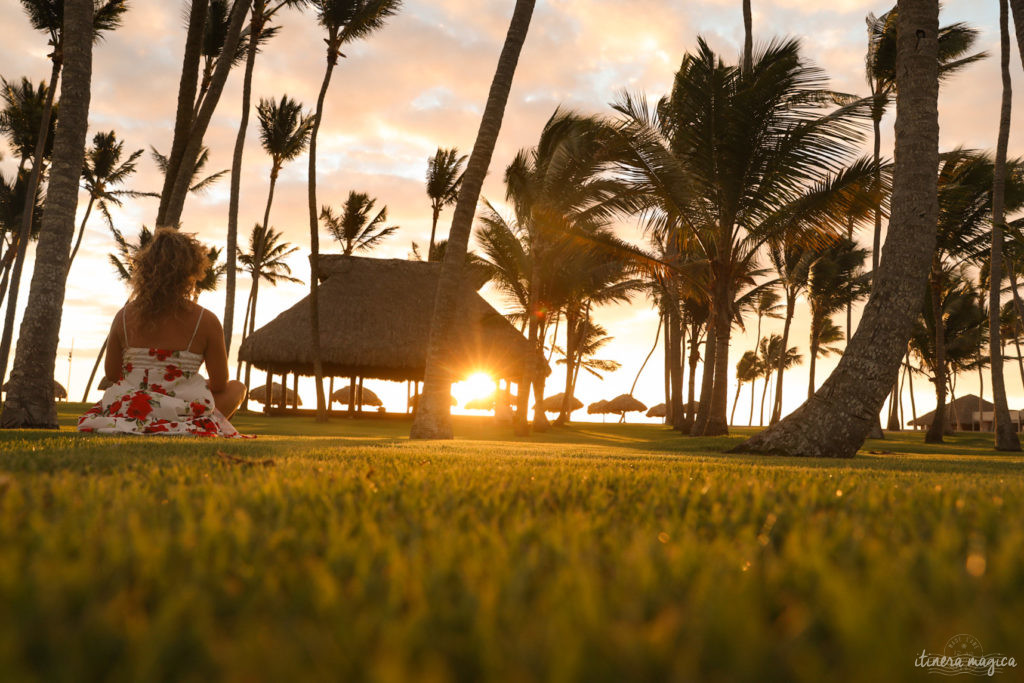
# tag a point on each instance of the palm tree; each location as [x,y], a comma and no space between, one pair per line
[103,171]
[772,359]
[345,21]
[21,119]
[746,371]
[30,401]
[191,121]
[1006,432]
[357,227]
[433,418]
[767,304]
[259,32]
[738,161]
[444,177]
[954,43]
[47,16]
[12,203]
[792,260]
[836,279]
[836,420]
[197,185]
[265,260]
[121,259]
[748,40]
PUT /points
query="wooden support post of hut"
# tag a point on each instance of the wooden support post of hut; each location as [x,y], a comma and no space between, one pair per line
[375,324]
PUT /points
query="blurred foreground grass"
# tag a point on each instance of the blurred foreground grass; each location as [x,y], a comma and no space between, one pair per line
[594,553]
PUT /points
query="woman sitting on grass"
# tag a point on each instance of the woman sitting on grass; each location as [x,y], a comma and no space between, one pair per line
[155,347]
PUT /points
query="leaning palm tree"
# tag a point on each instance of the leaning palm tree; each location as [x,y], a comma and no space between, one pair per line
[444,177]
[102,172]
[746,371]
[259,32]
[837,419]
[1006,432]
[265,260]
[345,21]
[433,419]
[47,16]
[30,397]
[835,280]
[358,227]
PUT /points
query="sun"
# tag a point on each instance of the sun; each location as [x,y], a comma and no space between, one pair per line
[477,385]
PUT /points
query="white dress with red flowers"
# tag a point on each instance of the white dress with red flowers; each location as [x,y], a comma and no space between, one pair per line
[160,392]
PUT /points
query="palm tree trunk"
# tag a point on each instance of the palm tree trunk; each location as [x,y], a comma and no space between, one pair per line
[812,352]
[910,387]
[570,358]
[536,339]
[245,330]
[81,231]
[836,420]
[1006,433]
[780,366]
[667,369]
[255,293]
[876,126]
[700,420]
[255,28]
[187,84]
[748,39]
[981,393]
[433,419]
[1018,25]
[27,212]
[657,334]
[938,425]
[183,180]
[433,231]
[764,393]
[691,390]
[30,401]
[717,423]
[314,239]
[735,400]
[7,263]
[95,367]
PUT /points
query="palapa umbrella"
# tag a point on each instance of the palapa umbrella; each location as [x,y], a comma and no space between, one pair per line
[59,391]
[598,408]
[624,403]
[259,394]
[657,411]
[364,396]
[553,404]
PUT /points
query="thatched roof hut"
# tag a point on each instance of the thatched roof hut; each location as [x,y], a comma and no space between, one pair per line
[375,317]
[259,394]
[969,413]
[363,396]
[553,404]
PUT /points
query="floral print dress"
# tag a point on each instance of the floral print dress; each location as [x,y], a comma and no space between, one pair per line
[160,392]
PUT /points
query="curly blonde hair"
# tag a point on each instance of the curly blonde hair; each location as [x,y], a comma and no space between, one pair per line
[165,273]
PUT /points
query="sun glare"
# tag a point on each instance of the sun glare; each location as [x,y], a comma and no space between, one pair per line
[477,385]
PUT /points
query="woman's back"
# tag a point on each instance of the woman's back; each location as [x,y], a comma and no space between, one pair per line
[177,331]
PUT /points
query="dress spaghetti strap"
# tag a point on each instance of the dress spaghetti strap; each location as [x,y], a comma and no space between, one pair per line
[188,347]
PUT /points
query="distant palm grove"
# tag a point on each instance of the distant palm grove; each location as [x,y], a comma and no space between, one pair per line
[756,191]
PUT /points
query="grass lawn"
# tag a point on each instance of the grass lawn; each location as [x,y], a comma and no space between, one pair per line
[593,553]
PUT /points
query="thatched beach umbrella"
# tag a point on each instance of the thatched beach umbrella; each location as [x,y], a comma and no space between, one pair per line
[657,411]
[553,404]
[259,394]
[624,403]
[598,408]
[363,395]
[59,392]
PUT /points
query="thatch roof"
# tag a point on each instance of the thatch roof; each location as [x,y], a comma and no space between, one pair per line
[364,396]
[598,408]
[624,403]
[259,394]
[375,317]
[657,411]
[553,404]
[59,391]
[963,408]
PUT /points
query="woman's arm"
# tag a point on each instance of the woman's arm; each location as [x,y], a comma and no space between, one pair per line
[115,348]
[215,354]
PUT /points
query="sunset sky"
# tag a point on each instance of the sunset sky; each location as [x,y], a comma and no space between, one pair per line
[420,83]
